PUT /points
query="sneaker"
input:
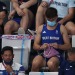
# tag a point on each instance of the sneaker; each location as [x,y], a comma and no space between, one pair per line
[21,31]
[32,32]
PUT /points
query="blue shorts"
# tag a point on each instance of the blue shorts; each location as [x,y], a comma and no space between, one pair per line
[17,20]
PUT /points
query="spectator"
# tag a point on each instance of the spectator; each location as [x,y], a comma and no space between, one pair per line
[8,66]
[53,35]
[24,11]
[68,66]
[65,10]
[3,13]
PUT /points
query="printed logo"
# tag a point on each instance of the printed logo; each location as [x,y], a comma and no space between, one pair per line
[56,31]
[67,69]
[44,31]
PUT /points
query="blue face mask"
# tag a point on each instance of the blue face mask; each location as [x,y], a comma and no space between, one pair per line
[53,23]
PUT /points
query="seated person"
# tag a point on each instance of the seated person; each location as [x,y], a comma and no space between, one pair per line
[68,66]
[50,37]
[3,13]
[23,16]
[65,10]
[8,66]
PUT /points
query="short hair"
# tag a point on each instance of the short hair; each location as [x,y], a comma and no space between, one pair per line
[7,48]
[51,12]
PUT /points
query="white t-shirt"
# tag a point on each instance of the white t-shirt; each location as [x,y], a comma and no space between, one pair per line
[62,6]
[15,66]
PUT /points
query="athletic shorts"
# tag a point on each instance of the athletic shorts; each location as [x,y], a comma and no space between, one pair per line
[17,20]
[60,57]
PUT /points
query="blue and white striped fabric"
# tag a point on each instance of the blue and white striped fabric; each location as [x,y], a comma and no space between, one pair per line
[16,68]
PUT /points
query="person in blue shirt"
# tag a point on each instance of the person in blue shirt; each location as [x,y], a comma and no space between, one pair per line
[8,66]
[50,36]
[68,66]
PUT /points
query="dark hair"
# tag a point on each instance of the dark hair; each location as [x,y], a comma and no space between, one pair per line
[7,48]
[51,12]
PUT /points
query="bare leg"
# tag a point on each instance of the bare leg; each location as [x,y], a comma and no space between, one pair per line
[10,27]
[26,19]
[70,26]
[40,16]
[37,63]
[53,64]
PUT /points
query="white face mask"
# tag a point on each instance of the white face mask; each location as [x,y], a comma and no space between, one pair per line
[53,23]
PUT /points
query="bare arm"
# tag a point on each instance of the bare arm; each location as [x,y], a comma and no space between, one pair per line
[37,39]
[28,4]
[37,42]
[17,7]
[44,4]
[69,16]
[15,4]
[66,40]
[11,14]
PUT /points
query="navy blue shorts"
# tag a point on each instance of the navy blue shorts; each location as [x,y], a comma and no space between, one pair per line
[60,57]
[17,20]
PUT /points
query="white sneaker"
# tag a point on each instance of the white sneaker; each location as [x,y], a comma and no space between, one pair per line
[32,32]
[21,31]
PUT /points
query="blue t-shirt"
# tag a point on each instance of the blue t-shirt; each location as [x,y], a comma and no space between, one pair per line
[67,68]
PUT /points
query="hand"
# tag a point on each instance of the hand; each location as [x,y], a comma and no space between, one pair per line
[55,45]
[20,12]
[44,46]
[23,4]
[61,22]
[8,68]
[11,14]
[44,4]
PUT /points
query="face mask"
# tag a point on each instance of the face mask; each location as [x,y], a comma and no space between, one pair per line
[53,23]
[8,63]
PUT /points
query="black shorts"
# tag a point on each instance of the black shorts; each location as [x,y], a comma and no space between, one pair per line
[65,22]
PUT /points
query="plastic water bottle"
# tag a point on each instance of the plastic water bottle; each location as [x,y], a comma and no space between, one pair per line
[21,73]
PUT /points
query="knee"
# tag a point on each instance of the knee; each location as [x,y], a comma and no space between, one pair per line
[50,64]
[25,10]
[40,9]
[6,27]
[35,64]
[53,66]
[70,28]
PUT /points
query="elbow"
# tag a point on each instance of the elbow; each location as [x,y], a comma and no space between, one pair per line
[33,47]
[69,46]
